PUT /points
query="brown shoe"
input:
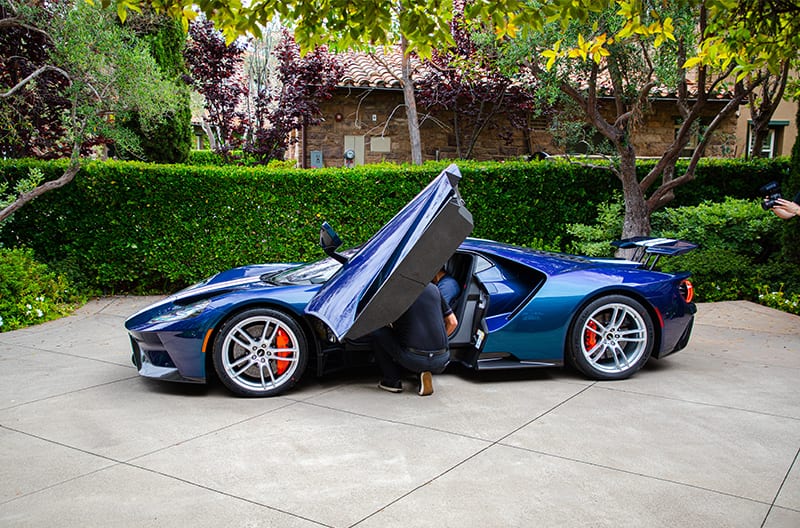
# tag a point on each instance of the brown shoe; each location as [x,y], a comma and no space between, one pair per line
[425,383]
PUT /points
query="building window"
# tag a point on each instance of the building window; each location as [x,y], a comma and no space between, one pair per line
[768,148]
[772,146]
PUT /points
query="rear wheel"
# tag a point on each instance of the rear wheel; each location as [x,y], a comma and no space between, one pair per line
[611,338]
[260,352]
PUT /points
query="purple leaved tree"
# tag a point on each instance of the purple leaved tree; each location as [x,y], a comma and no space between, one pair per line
[217,73]
[304,82]
[466,83]
[31,116]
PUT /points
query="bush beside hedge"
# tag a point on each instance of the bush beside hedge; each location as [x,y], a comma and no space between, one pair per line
[126,226]
[740,251]
[31,293]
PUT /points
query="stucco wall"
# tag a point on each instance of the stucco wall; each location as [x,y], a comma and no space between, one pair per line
[785,126]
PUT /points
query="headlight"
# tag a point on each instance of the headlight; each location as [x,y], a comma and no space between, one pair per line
[182,312]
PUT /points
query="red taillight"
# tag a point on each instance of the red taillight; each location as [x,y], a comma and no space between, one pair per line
[686,290]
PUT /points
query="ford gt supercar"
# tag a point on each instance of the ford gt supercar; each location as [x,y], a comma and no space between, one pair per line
[260,327]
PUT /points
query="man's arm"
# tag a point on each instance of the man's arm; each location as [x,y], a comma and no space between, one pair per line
[450,323]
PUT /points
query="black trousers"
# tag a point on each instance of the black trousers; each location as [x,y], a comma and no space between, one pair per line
[394,359]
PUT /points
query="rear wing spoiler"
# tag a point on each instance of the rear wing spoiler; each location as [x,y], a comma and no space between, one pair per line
[650,249]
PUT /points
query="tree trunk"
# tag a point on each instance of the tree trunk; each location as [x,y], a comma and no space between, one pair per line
[761,112]
[760,134]
[411,106]
[637,214]
[212,140]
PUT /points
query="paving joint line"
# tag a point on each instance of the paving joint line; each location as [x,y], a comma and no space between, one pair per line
[76,391]
[634,473]
[471,457]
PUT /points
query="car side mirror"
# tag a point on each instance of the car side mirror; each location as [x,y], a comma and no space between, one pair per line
[329,241]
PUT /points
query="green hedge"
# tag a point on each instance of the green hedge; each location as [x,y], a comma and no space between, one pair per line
[237,158]
[205,157]
[717,179]
[127,226]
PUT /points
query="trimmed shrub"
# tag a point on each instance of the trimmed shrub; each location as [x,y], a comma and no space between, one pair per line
[739,248]
[136,227]
[205,157]
[739,254]
[143,227]
[171,141]
[720,178]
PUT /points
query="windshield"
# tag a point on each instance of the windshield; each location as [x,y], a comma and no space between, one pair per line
[312,273]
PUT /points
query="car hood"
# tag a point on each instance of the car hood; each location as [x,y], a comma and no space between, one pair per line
[225,281]
[231,278]
[384,278]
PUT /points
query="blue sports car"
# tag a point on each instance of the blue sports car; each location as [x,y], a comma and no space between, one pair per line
[261,327]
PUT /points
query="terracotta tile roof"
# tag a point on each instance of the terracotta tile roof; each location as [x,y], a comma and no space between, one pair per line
[379,70]
[382,70]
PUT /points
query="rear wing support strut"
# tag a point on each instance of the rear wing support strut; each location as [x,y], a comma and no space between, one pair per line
[649,250]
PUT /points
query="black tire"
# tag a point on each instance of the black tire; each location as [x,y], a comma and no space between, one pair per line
[611,338]
[260,352]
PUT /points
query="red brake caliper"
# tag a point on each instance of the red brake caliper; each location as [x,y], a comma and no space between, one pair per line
[590,335]
[282,341]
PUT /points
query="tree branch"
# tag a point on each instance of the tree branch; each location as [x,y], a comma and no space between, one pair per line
[655,199]
[381,62]
[16,21]
[68,176]
[31,77]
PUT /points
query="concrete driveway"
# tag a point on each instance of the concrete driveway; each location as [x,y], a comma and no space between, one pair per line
[708,437]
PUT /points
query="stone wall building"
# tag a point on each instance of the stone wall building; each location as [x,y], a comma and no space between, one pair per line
[365,122]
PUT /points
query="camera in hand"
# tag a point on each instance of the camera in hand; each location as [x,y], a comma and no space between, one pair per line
[772,192]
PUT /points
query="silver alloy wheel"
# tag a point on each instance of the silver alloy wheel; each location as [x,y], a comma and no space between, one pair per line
[260,353]
[614,338]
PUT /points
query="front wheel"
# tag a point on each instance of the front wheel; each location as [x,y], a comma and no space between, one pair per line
[611,338]
[260,352]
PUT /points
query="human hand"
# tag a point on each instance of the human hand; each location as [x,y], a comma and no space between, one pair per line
[785,208]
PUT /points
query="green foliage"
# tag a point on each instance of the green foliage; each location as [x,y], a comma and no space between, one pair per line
[111,73]
[141,227]
[791,186]
[34,178]
[129,226]
[739,248]
[521,203]
[207,157]
[741,226]
[30,293]
[234,158]
[779,300]
[282,164]
[717,178]
[594,240]
[171,140]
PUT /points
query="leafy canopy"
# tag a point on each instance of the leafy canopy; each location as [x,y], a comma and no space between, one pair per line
[750,34]
[425,24]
